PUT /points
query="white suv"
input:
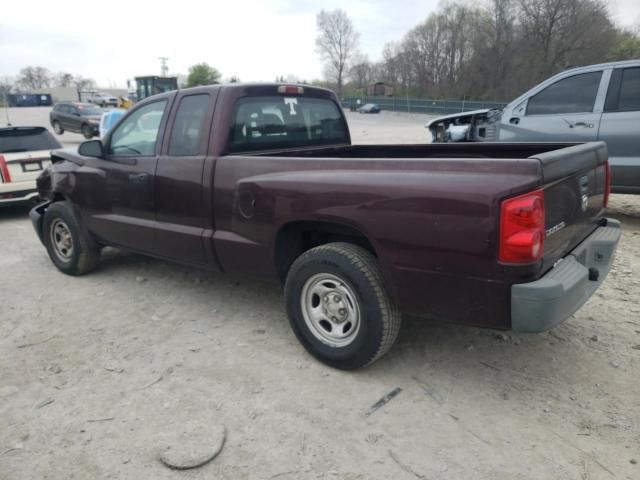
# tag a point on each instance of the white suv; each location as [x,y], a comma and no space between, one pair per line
[24,153]
[103,99]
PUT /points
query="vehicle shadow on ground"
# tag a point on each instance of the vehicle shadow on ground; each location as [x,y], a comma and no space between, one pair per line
[15,212]
[494,361]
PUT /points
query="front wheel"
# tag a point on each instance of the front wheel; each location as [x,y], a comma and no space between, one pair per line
[338,306]
[67,245]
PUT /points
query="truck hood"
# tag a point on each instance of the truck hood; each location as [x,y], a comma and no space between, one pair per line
[458,115]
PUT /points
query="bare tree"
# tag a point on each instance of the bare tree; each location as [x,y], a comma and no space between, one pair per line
[561,33]
[34,78]
[361,70]
[337,41]
[81,83]
[63,79]
[501,48]
[7,84]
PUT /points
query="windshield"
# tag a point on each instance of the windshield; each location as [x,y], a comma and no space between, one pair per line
[26,139]
[262,123]
[89,110]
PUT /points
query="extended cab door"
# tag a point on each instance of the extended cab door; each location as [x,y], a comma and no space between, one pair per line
[120,196]
[620,128]
[565,110]
[183,199]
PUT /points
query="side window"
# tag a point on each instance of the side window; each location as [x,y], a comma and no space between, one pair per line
[187,127]
[624,91]
[576,94]
[138,133]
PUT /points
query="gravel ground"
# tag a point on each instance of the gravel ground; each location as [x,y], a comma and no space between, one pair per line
[98,374]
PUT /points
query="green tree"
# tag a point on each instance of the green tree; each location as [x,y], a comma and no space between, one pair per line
[627,46]
[202,74]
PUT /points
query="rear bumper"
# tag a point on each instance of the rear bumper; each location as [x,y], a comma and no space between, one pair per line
[17,192]
[543,304]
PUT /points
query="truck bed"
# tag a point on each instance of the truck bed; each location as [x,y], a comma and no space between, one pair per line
[432,210]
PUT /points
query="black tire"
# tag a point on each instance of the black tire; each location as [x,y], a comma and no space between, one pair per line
[82,255]
[378,321]
[57,127]
[87,131]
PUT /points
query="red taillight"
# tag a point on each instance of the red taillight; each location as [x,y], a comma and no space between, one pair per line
[607,183]
[522,228]
[4,170]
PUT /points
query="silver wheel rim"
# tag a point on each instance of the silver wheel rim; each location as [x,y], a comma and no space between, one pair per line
[330,309]
[61,240]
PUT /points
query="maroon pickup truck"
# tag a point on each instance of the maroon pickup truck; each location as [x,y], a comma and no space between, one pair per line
[262,180]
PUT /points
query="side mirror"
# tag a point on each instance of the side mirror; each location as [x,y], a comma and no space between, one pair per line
[91,148]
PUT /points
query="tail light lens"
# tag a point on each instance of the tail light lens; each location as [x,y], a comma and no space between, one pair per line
[4,170]
[607,183]
[522,228]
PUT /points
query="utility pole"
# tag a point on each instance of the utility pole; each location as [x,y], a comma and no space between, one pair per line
[164,68]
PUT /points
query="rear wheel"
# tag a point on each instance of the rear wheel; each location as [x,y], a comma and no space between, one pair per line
[67,245]
[87,131]
[57,127]
[338,306]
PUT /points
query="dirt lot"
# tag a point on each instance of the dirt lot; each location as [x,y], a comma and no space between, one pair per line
[98,372]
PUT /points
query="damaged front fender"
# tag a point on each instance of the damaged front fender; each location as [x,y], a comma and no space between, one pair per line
[474,126]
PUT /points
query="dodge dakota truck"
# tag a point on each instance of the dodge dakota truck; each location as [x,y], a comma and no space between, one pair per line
[262,180]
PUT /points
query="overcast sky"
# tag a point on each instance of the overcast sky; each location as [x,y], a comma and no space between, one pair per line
[254,40]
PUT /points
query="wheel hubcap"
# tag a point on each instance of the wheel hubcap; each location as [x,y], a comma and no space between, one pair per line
[330,309]
[61,240]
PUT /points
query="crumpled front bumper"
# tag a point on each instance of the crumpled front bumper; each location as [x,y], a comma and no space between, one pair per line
[36,214]
[543,304]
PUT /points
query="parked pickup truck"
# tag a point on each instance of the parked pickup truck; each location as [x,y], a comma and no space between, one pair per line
[262,180]
[598,102]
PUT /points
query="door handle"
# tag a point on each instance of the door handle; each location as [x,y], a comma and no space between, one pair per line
[578,124]
[514,120]
[138,177]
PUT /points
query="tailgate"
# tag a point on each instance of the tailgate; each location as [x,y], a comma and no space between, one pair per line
[23,167]
[574,181]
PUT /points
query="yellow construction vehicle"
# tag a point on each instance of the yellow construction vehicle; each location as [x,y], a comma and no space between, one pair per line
[147,86]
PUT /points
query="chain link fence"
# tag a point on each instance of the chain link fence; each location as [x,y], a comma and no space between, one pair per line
[419,105]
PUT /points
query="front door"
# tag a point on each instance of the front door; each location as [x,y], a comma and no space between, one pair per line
[183,205]
[124,210]
[564,111]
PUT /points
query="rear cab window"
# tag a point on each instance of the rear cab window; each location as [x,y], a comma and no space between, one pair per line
[278,122]
[27,139]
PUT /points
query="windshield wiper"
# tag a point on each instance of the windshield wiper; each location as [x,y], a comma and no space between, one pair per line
[14,150]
